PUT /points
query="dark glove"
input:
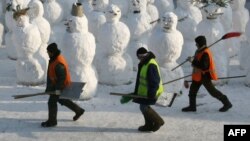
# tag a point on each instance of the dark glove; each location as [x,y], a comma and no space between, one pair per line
[125,99]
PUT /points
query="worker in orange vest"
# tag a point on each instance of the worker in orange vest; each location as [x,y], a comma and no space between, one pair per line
[203,74]
[58,77]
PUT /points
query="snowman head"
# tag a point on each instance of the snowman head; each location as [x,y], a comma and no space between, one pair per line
[211,9]
[76,25]
[169,22]
[100,5]
[21,17]
[113,13]
[35,9]
[138,6]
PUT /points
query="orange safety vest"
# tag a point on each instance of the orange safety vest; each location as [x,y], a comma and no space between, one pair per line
[197,73]
[52,71]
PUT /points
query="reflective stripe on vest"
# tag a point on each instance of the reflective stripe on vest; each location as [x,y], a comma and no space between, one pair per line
[197,73]
[143,80]
[52,71]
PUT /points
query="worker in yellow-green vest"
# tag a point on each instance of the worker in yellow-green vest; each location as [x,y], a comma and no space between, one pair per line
[148,84]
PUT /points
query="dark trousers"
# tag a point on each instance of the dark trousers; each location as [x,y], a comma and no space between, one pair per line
[207,83]
[53,99]
[52,106]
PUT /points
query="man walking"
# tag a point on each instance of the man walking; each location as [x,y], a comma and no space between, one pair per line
[58,78]
[203,74]
[149,85]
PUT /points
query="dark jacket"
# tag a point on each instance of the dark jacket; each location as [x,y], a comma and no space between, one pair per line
[60,74]
[153,81]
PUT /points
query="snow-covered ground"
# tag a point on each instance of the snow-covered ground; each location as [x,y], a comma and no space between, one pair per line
[106,119]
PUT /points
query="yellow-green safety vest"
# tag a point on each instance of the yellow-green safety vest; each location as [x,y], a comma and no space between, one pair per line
[143,80]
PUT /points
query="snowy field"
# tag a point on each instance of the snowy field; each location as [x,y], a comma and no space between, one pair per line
[106,119]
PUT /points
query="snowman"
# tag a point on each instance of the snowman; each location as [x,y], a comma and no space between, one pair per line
[139,25]
[97,16]
[152,11]
[226,18]
[227,22]
[35,13]
[80,48]
[113,64]
[213,30]
[164,6]
[11,5]
[71,25]
[240,16]
[26,38]
[167,44]
[244,53]
[186,17]
[240,19]
[186,8]
[123,5]
[53,12]
[10,25]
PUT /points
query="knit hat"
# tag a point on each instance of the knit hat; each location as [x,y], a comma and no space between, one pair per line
[201,40]
[53,48]
[142,50]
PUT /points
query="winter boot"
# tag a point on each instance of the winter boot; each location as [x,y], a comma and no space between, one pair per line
[192,106]
[227,104]
[189,109]
[49,123]
[156,119]
[78,114]
[52,121]
[148,124]
[72,106]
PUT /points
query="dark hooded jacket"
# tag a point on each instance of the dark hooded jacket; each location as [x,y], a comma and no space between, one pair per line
[153,81]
